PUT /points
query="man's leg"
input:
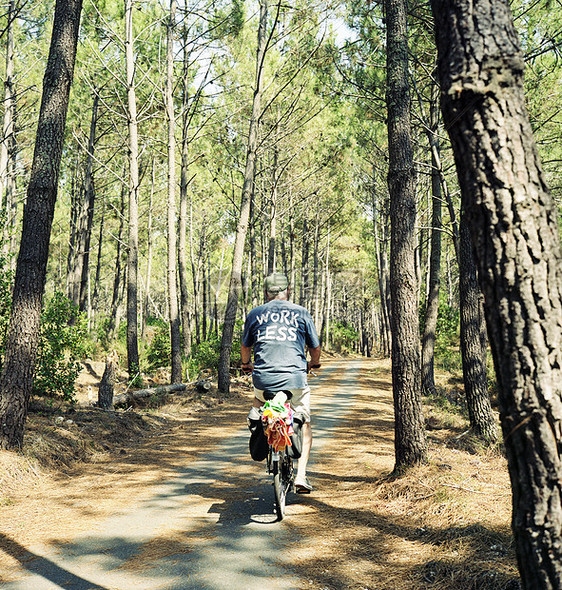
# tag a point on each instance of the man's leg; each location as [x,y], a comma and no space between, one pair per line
[306,446]
[301,401]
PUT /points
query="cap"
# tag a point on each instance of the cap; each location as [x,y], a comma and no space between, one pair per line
[276,282]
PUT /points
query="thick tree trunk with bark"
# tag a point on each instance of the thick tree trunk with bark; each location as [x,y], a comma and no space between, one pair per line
[123,399]
[410,444]
[133,364]
[175,334]
[242,227]
[514,227]
[23,333]
[107,383]
[474,342]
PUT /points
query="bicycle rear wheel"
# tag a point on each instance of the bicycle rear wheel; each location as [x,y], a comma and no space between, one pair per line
[282,481]
[280,495]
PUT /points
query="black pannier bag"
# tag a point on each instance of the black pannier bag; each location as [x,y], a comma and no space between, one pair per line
[295,450]
[258,441]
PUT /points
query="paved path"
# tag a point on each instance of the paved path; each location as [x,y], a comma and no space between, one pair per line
[225,534]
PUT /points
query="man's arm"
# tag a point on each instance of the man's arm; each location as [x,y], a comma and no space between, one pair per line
[314,357]
[245,355]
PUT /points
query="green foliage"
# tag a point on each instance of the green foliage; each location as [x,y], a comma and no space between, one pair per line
[205,356]
[62,343]
[343,337]
[6,279]
[159,353]
[227,21]
[447,353]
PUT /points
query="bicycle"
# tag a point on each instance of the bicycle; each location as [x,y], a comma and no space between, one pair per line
[279,457]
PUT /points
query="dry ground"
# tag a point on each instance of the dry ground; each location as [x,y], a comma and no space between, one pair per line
[441,526]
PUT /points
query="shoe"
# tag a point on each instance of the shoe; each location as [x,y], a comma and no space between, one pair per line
[302,486]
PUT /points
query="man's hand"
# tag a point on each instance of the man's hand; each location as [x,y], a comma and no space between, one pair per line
[312,365]
[247,368]
[314,362]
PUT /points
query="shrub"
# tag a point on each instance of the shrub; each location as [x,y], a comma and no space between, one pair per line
[206,354]
[6,278]
[343,337]
[62,343]
[159,353]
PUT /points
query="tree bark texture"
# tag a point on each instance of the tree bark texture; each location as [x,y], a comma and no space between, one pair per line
[23,334]
[474,342]
[242,227]
[174,318]
[514,227]
[133,237]
[107,383]
[410,444]
[123,399]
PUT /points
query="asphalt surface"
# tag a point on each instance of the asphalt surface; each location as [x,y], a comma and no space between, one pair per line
[230,530]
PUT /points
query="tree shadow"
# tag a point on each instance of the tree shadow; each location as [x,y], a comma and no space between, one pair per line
[480,561]
[44,567]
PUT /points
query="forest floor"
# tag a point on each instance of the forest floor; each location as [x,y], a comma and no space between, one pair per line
[441,526]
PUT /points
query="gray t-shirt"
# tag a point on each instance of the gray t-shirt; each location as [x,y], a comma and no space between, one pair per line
[279,331]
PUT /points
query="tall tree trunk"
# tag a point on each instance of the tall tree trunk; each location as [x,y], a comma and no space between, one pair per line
[149,247]
[204,297]
[95,294]
[253,263]
[474,342]
[175,334]
[381,271]
[89,196]
[326,297]
[410,444]
[303,296]
[242,227]
[434,281]
[133,364]
[271,262]
[23,333]
[8,140]
[116,298]
[292,261]
[315,270]
[513,223]
[195,268]
[182,222]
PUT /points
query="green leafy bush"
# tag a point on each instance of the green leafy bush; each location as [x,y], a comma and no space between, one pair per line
[206,354]
[63,341]
[6,278]
[343,337]
[159,353]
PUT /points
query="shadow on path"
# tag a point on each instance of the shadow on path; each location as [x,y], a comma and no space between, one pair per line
[44,567]
[210,527]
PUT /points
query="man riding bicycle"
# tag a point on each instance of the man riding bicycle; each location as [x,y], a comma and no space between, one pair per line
[279,332]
